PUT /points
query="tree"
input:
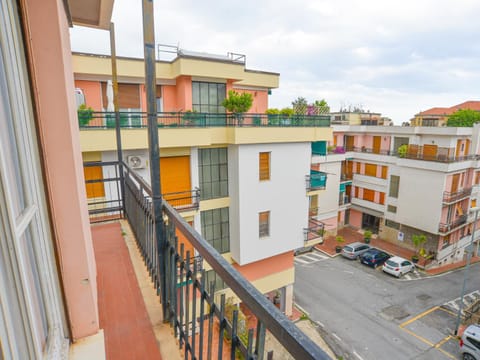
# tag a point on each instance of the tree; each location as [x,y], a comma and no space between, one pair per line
[238,103]
[463,118]
[300,106]
[321,106]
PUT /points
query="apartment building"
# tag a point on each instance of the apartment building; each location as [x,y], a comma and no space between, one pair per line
[359,117]
[236,180]
[48,291]
[438,116]
[402,181]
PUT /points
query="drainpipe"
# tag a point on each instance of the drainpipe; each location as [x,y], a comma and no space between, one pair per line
[153,145]
[113,55]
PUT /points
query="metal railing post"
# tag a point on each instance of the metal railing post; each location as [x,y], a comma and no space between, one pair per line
[150,87]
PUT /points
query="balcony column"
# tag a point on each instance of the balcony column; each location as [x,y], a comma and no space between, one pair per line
[287,299]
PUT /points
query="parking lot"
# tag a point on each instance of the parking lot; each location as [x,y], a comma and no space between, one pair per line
[367,314]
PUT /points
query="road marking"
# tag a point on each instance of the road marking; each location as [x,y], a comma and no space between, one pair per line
[418,337]
[356,354]
[447,311]
[418,316]
[407,277]
[437,345]
[336,337]
[302,261]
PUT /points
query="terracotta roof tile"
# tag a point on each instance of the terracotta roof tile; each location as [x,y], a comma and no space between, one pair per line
[472,105]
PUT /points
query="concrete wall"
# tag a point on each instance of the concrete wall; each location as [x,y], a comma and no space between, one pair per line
[284,195]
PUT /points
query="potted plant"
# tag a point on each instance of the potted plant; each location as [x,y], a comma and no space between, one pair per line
[238,104]
[340,240]
[367,236]
[418,241]
[85,114]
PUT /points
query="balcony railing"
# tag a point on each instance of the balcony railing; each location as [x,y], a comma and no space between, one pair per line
[315,230]
[448,227]
[105,120]
[344,200]
[317,180]
[364,149]
[184,200]
[196,312]
[449,197]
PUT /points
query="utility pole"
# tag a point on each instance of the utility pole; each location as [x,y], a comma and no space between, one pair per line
[467,268]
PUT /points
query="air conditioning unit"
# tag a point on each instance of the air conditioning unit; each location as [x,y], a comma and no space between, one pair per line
[136,162]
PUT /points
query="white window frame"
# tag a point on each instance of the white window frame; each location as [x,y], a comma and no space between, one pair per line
[32,220]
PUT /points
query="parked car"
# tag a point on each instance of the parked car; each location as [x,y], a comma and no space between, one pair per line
[354,250]
[470,343]
[374,257]
[398,266]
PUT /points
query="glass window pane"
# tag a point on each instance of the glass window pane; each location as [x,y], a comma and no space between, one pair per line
[203,93]
[212,94]
[195,93]
[9,146]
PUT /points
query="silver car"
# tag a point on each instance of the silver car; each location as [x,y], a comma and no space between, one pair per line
[470,343]
[354,250]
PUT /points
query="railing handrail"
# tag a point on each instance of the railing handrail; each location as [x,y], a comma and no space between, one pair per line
[291,337]
[137,119]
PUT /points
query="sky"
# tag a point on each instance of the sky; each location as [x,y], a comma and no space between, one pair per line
[393,57]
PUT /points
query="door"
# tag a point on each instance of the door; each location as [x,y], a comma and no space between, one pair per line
[349,141]
[455,182]
[430,152]
[377,141]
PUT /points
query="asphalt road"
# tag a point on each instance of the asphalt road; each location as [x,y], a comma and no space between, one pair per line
[367,315]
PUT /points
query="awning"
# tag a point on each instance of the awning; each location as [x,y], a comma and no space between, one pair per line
[367,211]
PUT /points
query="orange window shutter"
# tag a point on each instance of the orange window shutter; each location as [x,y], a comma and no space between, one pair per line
[382,198]
[358,168]
[94,189]
[384,172]
[264,166]
[368,195]
[371,169]
[175,174]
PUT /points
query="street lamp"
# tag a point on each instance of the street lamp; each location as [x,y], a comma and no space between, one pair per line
[467,267]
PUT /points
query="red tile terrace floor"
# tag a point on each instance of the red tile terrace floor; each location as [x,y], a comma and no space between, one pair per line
[123,316]
[351,235]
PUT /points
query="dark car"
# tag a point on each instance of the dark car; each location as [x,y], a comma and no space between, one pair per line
[374,257]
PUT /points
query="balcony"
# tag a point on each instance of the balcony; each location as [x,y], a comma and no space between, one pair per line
[344,200]
[364,149]
[450,197]
[184,200]
[313,235]
[106,120]
[445,228]
[198,313]
[317,180]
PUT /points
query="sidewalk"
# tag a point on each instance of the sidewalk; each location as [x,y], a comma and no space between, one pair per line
[350,235]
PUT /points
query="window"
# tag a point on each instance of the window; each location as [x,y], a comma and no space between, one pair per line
[213,173]
[264,166]
[31,325]
[382,198]
[212,277]
[384,172]
[215,228]
[264,224]
[391,208]
[394,185]
[368,195]
[371,169]
[94,181]
[392,224]
[208,97]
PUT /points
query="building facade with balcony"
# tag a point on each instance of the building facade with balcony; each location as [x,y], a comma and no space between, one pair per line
[239,178]
[402,181]
[438,116]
